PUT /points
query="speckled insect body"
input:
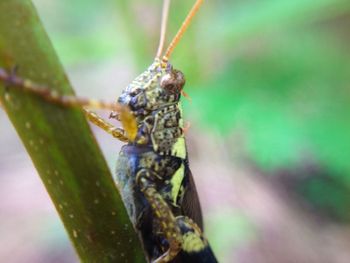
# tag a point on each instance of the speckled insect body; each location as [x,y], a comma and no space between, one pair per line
[153,174]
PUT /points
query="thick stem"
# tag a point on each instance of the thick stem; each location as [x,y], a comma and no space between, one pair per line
[60,144]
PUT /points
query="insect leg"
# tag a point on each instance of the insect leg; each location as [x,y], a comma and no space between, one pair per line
[124,115]
[12,80]
[163,213]
[106,126]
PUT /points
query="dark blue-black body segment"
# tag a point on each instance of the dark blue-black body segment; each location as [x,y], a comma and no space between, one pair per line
[133,158]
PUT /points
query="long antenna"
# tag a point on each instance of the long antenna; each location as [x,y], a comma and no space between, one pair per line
[165,15]
[182,30]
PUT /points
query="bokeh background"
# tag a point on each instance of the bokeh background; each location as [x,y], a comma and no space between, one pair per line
[269,141]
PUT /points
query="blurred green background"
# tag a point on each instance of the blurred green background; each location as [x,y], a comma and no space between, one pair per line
[269,141]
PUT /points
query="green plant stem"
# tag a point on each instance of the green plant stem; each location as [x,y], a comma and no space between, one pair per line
[61,145]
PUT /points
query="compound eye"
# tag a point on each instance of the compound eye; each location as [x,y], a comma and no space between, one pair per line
[171,88]
[172,82]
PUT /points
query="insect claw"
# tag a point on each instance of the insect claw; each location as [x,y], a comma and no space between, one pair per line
[114,115]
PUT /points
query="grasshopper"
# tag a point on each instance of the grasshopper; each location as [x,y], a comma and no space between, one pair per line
[152,171]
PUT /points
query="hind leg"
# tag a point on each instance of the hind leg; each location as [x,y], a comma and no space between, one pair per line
[162,212]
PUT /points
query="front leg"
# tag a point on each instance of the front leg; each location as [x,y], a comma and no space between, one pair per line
[163,213]
[124,115]
[118,133]
[11,80]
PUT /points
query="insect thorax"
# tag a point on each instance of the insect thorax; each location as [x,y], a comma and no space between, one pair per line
[154,99]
